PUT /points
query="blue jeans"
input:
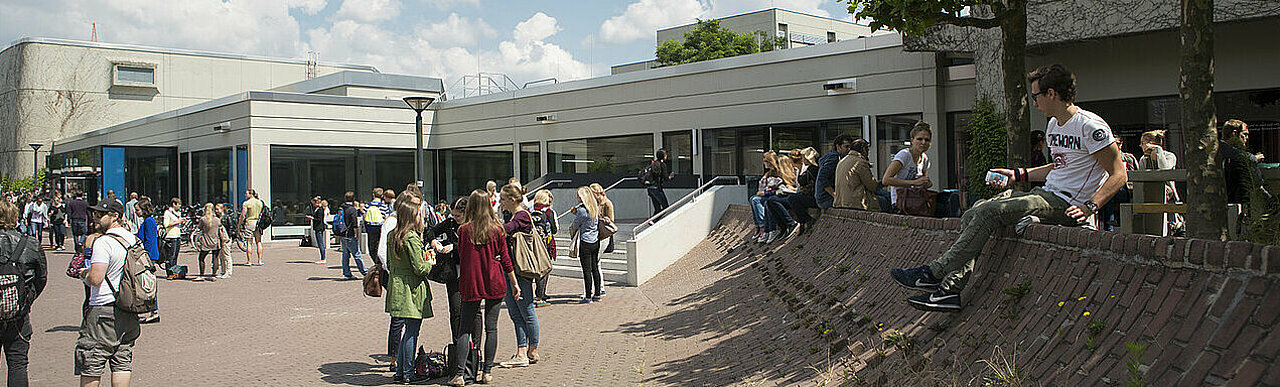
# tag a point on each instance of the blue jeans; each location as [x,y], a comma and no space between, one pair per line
[778,215]
[408,344]
[758,213]
[35,229]
[521,312]
[350,247]
[658,198]
[317,236]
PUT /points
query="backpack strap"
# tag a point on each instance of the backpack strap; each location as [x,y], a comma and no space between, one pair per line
[120,240]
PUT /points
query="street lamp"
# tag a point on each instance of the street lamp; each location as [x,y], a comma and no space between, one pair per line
[35,163]
[418,104]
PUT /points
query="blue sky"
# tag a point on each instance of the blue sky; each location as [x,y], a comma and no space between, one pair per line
[526,40]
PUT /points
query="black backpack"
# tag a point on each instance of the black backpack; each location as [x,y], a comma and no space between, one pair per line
[648,175]
[15,295]
[264,217]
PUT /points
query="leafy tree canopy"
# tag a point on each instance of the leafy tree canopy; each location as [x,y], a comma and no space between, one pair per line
[914,16]
[710,41]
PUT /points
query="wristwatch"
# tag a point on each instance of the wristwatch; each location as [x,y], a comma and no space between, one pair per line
[1093,207]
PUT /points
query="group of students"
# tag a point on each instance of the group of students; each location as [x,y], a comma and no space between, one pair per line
[472,252]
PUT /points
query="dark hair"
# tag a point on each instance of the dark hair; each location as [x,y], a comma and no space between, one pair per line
[1231,128]
[1055,77]
[841,139]
[349,196]
[144,207]
[921,126]
[660,155]
[860,146]
[460,204]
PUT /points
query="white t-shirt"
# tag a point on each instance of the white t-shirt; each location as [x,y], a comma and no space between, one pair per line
[171,216]
[37,212]
[108,250]
[910,169]
[1076,174]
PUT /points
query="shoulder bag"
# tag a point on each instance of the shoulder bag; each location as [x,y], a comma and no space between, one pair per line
[917,201]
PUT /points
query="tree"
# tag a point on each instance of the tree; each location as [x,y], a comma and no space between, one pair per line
[709,40]
[914,17]
[1206,186]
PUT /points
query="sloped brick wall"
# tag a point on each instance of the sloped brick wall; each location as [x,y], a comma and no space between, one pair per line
[1065,306]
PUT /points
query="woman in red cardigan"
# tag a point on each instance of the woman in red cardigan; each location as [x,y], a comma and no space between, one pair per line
[484,268]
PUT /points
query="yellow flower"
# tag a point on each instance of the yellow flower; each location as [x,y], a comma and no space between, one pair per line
[1081,298]
[1060,303]
[1086,314]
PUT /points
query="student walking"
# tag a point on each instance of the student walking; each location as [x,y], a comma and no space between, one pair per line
[519,308]
[28,259]
[107,333]
[653,177]
[484,267]
[586,229]
[78,215]
[408,294]
[36,214]
[346,227]
[57,222]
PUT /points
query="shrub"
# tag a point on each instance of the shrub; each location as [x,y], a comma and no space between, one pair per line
[987,143]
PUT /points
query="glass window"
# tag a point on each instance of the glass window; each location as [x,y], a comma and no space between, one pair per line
[894,134]
[151,172]
[386,168]
[530,162]
[184,179]
[300,173]
[795,136]
[679,146]
[137,75]
[720,152]
[616,155]
[958,157]
[211,177]
[466,169]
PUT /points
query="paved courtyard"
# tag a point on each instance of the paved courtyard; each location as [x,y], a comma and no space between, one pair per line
[293,322]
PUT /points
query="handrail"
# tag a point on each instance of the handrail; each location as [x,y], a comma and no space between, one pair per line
[531,192]
[552,79]
[649,222]
[606,189]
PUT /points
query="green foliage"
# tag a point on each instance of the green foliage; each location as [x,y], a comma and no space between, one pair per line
[1137,376]
[1093,329]
[909,16]
[8,183]
[988,142]
[1261,223]
[710,41]
[1014,295]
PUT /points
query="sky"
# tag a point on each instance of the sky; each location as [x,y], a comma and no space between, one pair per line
[526,40]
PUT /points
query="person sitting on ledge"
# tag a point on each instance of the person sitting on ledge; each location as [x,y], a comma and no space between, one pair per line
[1085,169]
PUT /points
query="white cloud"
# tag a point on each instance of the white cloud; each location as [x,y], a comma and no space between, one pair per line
[538,27]
[644,18]
[456,31]
[450,4]
[240,26]
[368,10]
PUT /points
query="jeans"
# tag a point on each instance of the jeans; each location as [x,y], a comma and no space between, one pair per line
[375,234]
[79,230]
[979,223]
[59,234]
[1109,214]
[589,259]
[470,314]
[408,343]
[15,336]
[801,203]
[350,247]
[317,236]
[758,213]
[171,247]
[778,214]
[521,312]
[35,229]
[658,198]
[455,314]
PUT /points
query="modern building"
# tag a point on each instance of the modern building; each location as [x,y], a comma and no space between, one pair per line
[795,28]
[716,118]
[55,88]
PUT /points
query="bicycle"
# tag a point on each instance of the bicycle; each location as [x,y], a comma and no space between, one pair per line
[191,229]
[239,236]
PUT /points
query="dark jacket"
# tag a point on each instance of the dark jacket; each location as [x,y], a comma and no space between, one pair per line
[1241,172]
[78,209]
[350,216]
[826,179]
[447,233]
[807,179]
[660,173]
[30,261]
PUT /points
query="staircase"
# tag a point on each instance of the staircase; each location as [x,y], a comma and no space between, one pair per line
[613,266]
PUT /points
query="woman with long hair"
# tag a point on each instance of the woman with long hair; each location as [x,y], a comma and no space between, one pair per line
[606,210]
[586,216]
[770,181]
[520,309]
[544,218]
[149,236]
[222,266]
[319,214]
[443,238]
[212,238]
[408,294]
[484,267]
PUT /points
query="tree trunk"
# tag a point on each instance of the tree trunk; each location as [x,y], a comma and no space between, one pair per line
[1206,188]
[1013,60]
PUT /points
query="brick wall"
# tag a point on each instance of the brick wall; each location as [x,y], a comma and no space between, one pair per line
[1064,306]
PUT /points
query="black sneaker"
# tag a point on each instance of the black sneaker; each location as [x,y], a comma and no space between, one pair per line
[939,301]
[919,278]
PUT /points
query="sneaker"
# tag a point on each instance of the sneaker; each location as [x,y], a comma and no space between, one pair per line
[584,300]
[1024,222]
[771,236]
[457,380]
[155,318]
[758,233]
[795,230]
[939,301]
[541,303]
[595,299]
[515,361]
[919,278]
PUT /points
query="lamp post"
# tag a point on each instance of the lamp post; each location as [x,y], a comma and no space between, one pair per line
[35,164]
[418,103]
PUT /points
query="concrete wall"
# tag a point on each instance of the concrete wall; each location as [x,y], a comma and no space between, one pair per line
[662,244]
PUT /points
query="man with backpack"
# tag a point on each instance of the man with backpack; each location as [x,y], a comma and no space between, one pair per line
[22,278]
[110,324]
[374,215]
[346,224]
[249,215]
[652,177]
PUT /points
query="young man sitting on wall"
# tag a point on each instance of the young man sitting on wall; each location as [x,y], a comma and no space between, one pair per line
[1084,171]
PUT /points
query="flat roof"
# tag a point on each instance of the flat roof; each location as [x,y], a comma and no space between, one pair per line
[791,54]
[177,51]
[768,10]
[365,79]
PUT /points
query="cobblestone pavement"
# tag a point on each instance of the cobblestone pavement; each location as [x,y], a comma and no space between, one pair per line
[294,323]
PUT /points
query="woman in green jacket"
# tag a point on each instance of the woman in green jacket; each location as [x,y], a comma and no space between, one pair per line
[408,293]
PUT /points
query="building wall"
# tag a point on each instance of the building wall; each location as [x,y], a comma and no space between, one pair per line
[56,89]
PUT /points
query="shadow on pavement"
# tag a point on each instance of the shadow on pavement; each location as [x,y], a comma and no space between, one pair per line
[355,373]
[63,328]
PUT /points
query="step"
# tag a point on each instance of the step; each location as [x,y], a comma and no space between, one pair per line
[576,272]
[607,262]
[619,247]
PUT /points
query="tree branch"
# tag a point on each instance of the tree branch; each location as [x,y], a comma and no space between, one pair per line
[968,21]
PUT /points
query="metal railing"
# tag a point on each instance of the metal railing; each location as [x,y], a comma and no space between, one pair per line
[650,222]
[606,189]
[531,192]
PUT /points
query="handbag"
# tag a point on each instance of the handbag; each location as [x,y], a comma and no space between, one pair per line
[375,281]
[531,259]
[574,241]
[77,263]
[605,227]
[917,201]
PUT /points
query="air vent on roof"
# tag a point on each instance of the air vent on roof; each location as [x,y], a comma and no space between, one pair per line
[842,86]
[545,118]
